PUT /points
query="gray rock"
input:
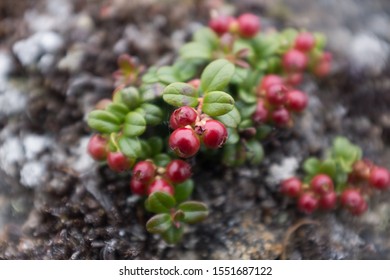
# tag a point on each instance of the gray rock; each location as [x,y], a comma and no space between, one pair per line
[11,154]
[35,144]
[284,170]
[33,174]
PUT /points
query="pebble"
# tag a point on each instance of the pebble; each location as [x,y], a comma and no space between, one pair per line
[284,170]
[33,174]
[8,159]
[35,144]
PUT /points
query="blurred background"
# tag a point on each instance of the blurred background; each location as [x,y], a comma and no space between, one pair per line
[56,61]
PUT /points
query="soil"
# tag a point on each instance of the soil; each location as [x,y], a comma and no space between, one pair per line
[56,203]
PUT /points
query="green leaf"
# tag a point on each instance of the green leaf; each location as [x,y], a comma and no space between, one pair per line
[194,211]
[152,114]
[246,110]
[217,75]
[146,151]
[217,103]
[185,70]
[320,40]
[178,216]
[206,37]
[161,159]
[184,190]
[130,97]
[167,75]
[152,91]
[255,152]
[246,96]
[263,132]
[231,119]
[328,167]
[173,235]
[150,77]
[131,147]
[265,45]
[195,50]
[159,223]
[311,165]
[160,202]
[135,124]
[118,109]
[233,136]
[345,153]
[103,121]
[180,94]
[156,145]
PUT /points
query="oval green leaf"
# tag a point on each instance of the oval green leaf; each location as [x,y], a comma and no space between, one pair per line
[173,235]
[131,147]
[130,97]
[103,121]
[117,109]
[160,202]
[217,103]
[180,94]
[135,124]
[184,190]
[231,119]
[217,75]
[195,50]
[159,223]
[194,211]
[152,114]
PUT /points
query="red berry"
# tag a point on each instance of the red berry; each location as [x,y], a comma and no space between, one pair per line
[281,116]
[304,42]
[195,83]
[360,209]
[294,79]
[220,24]
[291,187]
[380,178]
[184,142]
[261,113]
[137,186]
[160,185]
[276,94]
[328,201]
[97,147]
[322,184]
[248,25]
[323,66]
[307,203]
[178,171]
[353,200]
[269,80]
[294,61]
[215,134]
[144,171]
[183,116]
[118,161]
[296,100]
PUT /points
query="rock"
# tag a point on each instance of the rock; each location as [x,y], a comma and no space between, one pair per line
[284,170]
[33,174]
[35,144]
[11,155]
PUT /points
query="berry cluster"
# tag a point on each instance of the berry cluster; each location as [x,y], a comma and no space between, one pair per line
[276,101]
[147,178]
[324,192]
[246,25]
[191,129]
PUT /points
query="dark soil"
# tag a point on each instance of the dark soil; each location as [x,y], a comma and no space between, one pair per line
[56,203]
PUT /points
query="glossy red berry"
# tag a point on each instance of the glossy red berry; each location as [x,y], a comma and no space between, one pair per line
[98,147]
[220,24]
[248,25]
[379,178]
[138,187]
[321,184]
[269,80]
[144,171]
[183,116]
[323,65]
[360,209]
[307,203]
[160,185]
[195,83]
[296,100]
[118,161]
[261,114]
[294,79]
[304,42]
[184,142]
[294,61]
[353,200]
[328,201]
[281,116]
[291,187]
[177,171]
[276,94]
[214,135]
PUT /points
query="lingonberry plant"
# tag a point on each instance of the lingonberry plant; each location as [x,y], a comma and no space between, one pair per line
[227,90]
[343,178]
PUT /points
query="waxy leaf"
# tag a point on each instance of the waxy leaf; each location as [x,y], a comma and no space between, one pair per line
[156,145]
[231,119]
[135,124]
[103,121]
[167,75]
[255,153]
[161,159]
[184,190]
[131,147]
[217,75]
[173,235]
[195,50]
[130,97]
[159,223]
[118,109]
[206,37]
[217,103]
[311,165]
[152,114]
[160,202]
[194,211]
[180,94]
